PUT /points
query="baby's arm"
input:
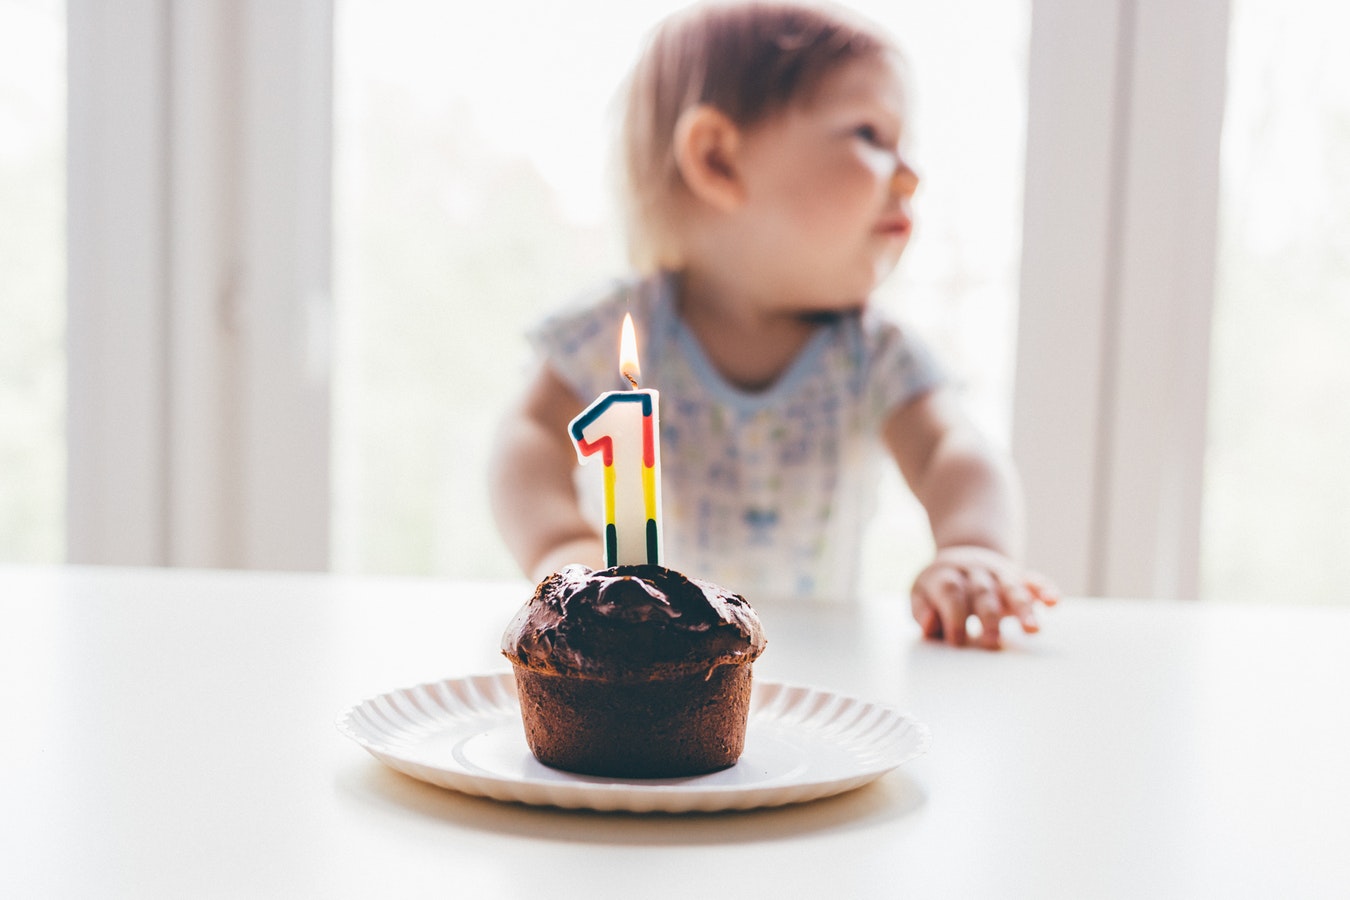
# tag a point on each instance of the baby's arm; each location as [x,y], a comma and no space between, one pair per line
[970,493]
[533,497]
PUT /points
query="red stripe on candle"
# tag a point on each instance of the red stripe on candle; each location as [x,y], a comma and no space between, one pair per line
[602,445]
[648,443]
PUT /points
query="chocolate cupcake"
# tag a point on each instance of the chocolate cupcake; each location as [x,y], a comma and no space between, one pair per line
[634,671]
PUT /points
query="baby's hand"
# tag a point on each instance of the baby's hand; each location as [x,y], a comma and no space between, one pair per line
[973,581]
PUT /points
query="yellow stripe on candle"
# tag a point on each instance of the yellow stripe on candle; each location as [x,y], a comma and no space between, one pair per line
[649,490]
[609,495]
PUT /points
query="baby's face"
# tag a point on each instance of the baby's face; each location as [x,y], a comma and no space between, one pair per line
[828,193]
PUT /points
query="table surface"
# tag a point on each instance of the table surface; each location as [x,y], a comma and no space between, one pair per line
[171,734]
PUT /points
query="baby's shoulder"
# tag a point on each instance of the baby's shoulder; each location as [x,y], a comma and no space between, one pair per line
[879,328]
[897,363]
[603,305]
[882,340]
[580,339]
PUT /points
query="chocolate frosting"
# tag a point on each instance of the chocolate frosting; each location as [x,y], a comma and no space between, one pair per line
[631,623]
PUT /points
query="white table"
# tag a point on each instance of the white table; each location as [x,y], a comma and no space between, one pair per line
[171,734]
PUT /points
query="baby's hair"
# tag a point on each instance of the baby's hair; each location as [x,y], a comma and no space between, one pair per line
[749,60]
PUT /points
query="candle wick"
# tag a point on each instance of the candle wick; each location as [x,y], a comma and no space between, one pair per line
[631,373]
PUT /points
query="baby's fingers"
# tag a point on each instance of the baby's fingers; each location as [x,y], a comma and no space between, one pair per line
[925,612]
[942,591]
[986,605]
[1041,588]
[1021,604]
[929,622]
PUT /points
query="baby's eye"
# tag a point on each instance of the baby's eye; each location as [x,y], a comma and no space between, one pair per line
[868,133]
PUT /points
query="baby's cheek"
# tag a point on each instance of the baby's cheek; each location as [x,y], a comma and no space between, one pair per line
[808,214]
[827,207]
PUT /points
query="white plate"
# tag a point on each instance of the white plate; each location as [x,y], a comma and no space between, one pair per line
[801,744]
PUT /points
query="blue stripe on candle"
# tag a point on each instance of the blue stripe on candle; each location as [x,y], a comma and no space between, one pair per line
[581,422]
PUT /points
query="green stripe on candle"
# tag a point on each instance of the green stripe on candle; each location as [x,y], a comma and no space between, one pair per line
[612,544]
[652,557]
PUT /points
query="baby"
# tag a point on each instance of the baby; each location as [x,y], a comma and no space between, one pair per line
[767,196]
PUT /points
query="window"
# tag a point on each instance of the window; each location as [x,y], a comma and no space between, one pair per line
[1277,499]
[32,258]
[471,197]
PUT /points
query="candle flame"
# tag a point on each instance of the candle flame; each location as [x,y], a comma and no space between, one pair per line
[628,357]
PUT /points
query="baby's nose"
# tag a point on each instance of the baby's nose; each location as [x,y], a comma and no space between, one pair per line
[904,181]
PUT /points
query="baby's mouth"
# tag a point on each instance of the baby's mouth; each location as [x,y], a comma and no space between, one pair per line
[894,225]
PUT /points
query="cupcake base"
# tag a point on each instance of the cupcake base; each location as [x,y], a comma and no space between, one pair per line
[647,729]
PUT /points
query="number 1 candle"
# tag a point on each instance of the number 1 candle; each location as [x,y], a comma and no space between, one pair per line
[624,429]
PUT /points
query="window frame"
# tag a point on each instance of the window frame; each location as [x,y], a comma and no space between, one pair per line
[198,283]
[1126,103]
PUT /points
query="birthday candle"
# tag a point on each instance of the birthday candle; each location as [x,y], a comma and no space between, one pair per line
[624,429]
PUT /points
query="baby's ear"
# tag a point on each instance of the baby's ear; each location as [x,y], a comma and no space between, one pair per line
[707,144]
